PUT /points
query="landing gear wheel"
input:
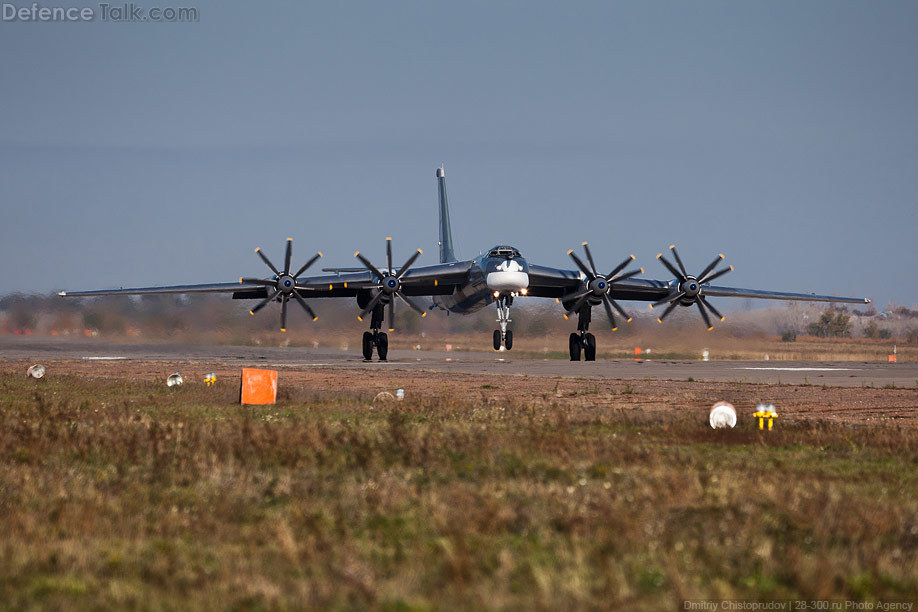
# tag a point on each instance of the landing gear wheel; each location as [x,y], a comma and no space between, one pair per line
[496,339]
[382,346]
[367,346]
[508,339]
[589,351]
[574,344]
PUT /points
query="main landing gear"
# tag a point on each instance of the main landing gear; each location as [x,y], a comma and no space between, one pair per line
[503,337]
[582,340]
[375,338]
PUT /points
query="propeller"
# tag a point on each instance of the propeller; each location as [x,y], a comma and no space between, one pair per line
[390,284]
[283,284]
[690,288]
[599,286]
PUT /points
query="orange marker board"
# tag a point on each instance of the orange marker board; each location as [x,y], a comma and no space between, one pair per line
[258,386]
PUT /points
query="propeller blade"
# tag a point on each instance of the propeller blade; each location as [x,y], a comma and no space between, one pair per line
[369,265]
[581,265]
[267,261]
[716,275]
[704,315]
[605,302]
[370,306]
[577,305]
[670,266]
[589,255]
[284,313]
[667,311]
[620,310]
[256,281]
[668,299]
[411,304]
[408,263]
[305,306]
[308,263]
[619,268]
[264,303]
[391,314]
[389,254]
[672,248]
[576,295]
[627,275]
[288,255]
[710,267]
[711,308]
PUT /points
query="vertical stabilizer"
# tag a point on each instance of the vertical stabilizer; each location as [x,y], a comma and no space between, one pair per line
[446,235]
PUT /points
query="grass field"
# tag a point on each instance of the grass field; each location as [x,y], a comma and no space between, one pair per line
[122,493]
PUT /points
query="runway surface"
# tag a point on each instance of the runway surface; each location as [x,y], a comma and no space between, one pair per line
[846,373]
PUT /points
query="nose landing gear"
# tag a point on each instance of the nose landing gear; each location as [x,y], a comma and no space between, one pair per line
[503,337]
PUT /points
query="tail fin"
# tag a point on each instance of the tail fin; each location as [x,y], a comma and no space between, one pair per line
[446,234]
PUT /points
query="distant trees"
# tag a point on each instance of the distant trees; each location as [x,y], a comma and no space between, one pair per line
[832,324]
[872,330]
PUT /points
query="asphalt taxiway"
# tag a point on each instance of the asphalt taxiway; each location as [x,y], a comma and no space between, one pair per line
[844,373]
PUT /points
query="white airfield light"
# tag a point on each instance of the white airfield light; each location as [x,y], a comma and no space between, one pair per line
[723,416]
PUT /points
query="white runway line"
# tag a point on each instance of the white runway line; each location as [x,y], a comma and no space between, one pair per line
[104,358]
[803,369]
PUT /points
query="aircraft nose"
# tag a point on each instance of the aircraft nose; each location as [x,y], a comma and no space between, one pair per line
[507,281]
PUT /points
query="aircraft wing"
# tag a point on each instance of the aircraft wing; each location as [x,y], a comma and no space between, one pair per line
[438,279]
[557,283]
[201,288]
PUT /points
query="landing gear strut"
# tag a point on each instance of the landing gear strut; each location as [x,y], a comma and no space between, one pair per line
[374,337]
[503,336]
[583,340]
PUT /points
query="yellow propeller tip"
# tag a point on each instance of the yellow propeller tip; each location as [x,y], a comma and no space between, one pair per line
[731,268]
[289,239]
[423,314]
[565,316]
[642,270]
[614,329]
[319,253]
[672,246]
[721,255]
[583,244]
[240,280]
[315,318]
[723,318]
[391,329]
[659,320]
[258,249]
[420,252]
[629,320]
[356,253]
[570,251]
[388,237]
[632,256]
[710,328]
[659,255]
[283,329]
[359,318]
[251,312]
[651,306]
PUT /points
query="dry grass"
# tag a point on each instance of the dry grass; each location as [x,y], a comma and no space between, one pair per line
[118,493]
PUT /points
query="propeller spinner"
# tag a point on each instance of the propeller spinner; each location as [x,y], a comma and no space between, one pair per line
[689,290]
[390,284]
[599,286]
[283,283]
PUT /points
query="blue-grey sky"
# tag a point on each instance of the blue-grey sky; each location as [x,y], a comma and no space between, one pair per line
[782,134]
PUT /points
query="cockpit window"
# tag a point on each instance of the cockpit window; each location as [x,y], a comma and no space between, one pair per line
[504,251]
